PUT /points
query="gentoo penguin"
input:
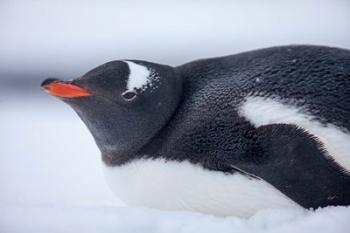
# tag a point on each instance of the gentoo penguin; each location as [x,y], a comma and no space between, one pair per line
[225,136]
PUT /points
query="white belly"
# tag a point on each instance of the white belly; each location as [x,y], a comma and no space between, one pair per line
[171,185]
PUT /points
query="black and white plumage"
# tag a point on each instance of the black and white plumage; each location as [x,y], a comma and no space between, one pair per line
[227,136]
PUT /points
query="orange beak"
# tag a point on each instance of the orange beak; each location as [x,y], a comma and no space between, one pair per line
[66,90]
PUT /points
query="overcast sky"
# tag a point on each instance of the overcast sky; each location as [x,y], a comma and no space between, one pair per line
[71,37]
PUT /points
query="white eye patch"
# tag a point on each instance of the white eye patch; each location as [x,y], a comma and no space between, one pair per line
[140,77]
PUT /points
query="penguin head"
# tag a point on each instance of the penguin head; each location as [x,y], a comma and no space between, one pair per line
[123,103]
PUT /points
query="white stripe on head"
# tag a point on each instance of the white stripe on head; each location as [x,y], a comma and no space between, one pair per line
[139,77]
[264,111]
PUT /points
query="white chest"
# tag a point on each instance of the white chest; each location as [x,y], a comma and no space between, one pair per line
[171,185]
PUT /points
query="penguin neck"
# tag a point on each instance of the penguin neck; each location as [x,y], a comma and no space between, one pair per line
[112,158]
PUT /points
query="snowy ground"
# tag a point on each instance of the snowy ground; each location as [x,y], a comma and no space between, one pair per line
[51,181]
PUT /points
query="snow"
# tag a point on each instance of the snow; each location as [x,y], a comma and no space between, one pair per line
[51,181]
[117,219]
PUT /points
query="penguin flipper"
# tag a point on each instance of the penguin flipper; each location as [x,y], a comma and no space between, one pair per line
[296,163]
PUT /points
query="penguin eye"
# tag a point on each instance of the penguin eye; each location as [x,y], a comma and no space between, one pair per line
[128,95]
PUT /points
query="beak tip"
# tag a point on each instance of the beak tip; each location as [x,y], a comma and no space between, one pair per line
[62,89]
[47,82]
